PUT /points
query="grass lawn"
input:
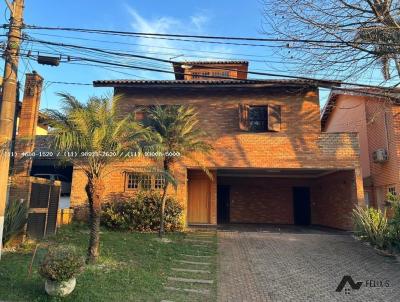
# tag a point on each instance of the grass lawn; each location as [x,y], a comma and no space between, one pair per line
[132,267]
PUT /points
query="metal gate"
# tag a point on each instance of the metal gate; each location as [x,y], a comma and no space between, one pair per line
[43,208]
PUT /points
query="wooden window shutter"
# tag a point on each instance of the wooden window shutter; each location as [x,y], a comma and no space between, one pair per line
[274,117]
[244,117]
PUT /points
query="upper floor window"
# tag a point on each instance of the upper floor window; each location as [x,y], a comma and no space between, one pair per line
[260,118]
[210,74]
[197,75]
[220,74]
[144,181]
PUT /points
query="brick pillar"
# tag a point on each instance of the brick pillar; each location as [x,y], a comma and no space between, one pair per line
[25,138]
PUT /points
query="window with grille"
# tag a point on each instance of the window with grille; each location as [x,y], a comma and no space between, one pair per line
[199,75]
[144,181]
[260,118]
[133,180]
[219,74]
[392,190]
[159,181]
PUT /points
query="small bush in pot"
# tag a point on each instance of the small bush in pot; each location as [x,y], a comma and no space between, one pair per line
[59,267]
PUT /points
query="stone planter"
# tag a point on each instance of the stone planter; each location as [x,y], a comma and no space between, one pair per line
[60,288]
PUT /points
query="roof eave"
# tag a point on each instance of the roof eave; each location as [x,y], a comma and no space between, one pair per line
[201,84]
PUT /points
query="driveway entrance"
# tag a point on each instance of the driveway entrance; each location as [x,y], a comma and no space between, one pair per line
[267,263]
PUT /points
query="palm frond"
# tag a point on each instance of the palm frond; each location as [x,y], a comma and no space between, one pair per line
[177,129]
[94,126]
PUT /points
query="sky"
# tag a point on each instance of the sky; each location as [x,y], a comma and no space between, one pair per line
[217,17]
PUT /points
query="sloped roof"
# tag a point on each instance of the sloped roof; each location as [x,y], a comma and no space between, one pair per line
[373,92]
[249,82]
[213,62]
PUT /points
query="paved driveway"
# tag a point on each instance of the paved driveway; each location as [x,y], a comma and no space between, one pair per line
[300,264]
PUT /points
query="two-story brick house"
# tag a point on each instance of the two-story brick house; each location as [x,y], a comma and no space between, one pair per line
[271,163]
[374,114]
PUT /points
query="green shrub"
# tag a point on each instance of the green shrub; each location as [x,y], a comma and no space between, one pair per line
[142,213]
[394,226]
[14,221]
[61,263]
[372,225]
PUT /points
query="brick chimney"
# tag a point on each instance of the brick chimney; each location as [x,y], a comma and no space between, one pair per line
[25,138]
[30,106]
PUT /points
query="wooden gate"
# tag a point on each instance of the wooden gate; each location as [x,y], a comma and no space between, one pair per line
[43,208]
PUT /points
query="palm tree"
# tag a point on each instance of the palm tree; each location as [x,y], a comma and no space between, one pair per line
[176,133]
[80,129]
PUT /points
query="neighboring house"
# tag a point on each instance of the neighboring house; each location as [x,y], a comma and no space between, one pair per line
[271,163]
[375,116]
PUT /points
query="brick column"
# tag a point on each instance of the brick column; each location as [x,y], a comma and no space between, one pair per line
[25,138]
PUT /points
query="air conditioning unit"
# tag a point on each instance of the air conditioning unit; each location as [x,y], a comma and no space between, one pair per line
[380,155]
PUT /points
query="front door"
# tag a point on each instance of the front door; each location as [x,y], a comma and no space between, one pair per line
[223,203]
[301,206]
[198,199]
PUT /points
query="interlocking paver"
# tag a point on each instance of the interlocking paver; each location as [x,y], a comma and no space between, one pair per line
[299,264]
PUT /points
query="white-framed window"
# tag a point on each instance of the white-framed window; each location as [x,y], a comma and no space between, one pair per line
[144,181]
[132,180]
[159,181]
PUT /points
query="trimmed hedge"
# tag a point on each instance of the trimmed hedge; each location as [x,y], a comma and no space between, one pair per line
[141,213]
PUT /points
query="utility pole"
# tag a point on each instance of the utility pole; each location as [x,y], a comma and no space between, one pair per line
[8,101]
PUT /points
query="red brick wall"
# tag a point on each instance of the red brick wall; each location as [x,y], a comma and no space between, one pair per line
[262,200]
[300,143]
[25,139]
[334,197]
[382,136]
[270,200]
[349,115]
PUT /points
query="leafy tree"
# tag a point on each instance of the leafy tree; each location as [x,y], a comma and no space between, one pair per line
[176,134]
[344,37]
[94,128]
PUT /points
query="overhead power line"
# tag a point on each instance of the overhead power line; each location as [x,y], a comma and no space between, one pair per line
[69,83]
[260,60]
[98,61]
[204,37]
[175,62]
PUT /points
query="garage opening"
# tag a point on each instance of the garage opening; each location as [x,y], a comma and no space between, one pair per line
[324,197]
